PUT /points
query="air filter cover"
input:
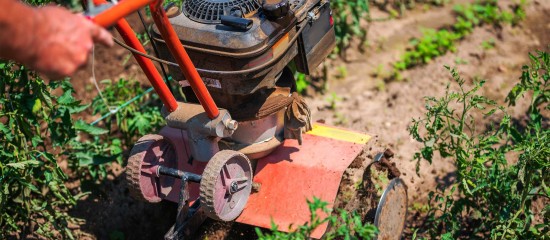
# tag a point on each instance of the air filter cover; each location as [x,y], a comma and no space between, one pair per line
[210,11]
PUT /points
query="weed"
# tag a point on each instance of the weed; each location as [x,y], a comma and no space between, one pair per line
[489,44]
[347,17]
[344,225]
[494,194]
[435,43]
[36,131]
[432,44]
[380,85]
[341,119]
[460,61]
[130,121]
[332,100]
[342,72]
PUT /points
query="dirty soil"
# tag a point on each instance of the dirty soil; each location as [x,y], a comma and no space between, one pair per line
[363,101]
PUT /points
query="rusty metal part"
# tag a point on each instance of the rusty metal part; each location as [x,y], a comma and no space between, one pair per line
[392,211]
[148,152]
[261,130]
[189,116]
[204,132]
[257,138]
[187,226]
[226,185]
[297,118]
[253,151]
[240,63]
[263,104]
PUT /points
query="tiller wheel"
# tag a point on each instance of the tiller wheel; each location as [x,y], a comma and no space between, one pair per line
[226,185]
[150,152]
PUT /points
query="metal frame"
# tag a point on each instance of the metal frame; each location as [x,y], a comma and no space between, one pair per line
[189,218]
[114,16]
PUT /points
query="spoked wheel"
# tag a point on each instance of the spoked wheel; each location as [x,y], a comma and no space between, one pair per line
[226,185]
[150,151]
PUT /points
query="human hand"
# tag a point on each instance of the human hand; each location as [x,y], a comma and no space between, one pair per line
[62,41]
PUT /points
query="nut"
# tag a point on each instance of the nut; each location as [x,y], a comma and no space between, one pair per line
[231,125]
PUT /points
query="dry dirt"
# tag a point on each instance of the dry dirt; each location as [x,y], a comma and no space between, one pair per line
[364,103]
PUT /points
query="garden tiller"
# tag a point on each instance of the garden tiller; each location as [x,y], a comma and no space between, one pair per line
[242,146]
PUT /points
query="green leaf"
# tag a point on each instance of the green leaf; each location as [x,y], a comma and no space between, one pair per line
[85,127]
[36,106]
[24,164]
[66,99]
[86,159]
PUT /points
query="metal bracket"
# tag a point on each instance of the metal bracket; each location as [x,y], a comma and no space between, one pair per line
[189,218]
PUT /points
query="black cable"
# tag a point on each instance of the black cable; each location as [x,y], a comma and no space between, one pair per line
[133,50]
[207,71]
[162,68]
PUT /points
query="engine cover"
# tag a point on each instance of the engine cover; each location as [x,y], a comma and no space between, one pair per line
[241,65]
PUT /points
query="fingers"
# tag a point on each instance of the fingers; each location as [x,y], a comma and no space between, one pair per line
[102,36]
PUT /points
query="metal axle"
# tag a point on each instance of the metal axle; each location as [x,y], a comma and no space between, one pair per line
[179,174]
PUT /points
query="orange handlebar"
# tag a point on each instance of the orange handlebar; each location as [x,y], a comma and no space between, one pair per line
[110,17]
[119,11]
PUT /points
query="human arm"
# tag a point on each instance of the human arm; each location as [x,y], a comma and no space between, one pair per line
[49,39]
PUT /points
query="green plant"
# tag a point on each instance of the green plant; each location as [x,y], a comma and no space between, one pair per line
[489,44]
[301,82]
[36,130]
[135,112]
[342,71]
[39,127]
[347,17]
[494,192]
[332,100]
[460,61]
[432,44]
[344,225]
[435,43]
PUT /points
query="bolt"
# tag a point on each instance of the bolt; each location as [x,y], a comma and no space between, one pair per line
[231,125]
[256,186]
[378,157]
[234,187]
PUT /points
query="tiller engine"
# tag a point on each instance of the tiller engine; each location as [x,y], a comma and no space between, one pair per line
[242,146]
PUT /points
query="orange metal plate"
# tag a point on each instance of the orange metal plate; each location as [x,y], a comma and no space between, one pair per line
[289,176]
[293,174]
